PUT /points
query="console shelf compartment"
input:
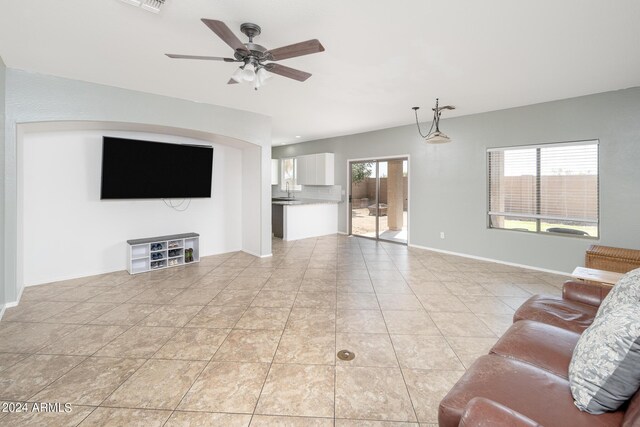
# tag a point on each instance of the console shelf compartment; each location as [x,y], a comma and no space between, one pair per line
[175,249]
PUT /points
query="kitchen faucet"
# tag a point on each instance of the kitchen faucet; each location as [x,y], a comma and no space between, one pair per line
[288,192]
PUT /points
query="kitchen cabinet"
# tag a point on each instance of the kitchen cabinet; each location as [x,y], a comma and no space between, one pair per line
[309,220]
[275,171]
[306,170]
[304,219]
[316,169]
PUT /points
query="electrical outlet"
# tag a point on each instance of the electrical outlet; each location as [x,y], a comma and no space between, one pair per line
[442,234]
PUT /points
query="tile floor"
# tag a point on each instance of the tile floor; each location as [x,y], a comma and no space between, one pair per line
[238,340]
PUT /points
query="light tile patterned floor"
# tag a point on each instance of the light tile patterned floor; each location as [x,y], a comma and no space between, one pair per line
[238,340]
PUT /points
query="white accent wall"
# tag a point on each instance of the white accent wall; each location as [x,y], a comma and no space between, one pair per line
[51,103]
[69,232]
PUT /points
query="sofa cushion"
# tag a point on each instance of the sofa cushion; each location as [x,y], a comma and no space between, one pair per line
[626,291]
[545,346]
[485,412]
[565,314]
[604,370]
[535,393]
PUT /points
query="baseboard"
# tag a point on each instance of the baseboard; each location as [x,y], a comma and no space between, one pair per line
[17,299]
[479,258]
[65,278]
[124,268]
[256,255]
[8,305]
[343,233]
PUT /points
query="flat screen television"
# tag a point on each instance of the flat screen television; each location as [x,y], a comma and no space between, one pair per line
[133,169]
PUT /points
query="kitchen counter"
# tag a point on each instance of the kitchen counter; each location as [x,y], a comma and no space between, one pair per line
[299,202]
[304,218]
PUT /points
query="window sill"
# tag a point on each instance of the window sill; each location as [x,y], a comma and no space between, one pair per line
[546,233]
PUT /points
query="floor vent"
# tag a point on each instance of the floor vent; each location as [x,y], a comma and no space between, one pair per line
[346,355]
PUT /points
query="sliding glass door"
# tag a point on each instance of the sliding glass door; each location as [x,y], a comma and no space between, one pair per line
[363,199]
[379,198]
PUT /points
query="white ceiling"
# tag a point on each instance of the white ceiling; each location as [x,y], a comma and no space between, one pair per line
[381,57]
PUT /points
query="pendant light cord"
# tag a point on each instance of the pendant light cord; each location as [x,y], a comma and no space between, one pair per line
[415,110]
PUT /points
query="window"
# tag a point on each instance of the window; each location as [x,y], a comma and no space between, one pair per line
[550,188]
[289,174]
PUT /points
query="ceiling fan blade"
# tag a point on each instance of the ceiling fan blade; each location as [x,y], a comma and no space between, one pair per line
[208,58]
[227,36]
[289,72]
[297,49]
[232,82]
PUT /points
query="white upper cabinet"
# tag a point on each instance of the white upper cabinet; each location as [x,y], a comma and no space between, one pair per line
[275,171]
[316,169]
[325,169]
[302,170]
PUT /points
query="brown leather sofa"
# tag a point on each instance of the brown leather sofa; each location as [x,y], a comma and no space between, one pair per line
[523,381]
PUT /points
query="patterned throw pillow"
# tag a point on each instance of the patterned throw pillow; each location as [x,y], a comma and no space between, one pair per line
[626,291]
[604,370]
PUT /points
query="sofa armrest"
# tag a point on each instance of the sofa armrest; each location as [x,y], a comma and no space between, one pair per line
[481,412]
[585,293]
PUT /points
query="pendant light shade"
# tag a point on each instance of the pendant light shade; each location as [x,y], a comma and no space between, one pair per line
[437,138]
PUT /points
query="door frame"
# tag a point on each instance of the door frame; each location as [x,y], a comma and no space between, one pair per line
[348,203]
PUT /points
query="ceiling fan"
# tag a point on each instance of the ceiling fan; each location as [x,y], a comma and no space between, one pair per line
[254,57]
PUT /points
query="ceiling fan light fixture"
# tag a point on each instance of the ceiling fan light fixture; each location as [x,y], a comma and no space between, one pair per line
[237,76]
[262,75]
[249,73]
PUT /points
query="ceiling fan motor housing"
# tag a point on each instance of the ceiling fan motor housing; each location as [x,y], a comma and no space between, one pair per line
[256,51]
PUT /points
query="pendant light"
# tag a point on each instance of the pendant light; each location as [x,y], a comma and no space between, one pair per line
[435,137]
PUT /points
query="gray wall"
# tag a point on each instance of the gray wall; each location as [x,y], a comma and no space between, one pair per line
[2,167]
[35,98]
[448,189]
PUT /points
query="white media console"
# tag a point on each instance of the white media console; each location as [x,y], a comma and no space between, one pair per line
[156,253]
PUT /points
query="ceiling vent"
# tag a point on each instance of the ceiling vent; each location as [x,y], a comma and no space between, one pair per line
[148,5]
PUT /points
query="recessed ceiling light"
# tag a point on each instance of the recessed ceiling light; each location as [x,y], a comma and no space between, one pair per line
[298,136]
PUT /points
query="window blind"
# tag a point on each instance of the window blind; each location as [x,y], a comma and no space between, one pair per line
[554,186]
